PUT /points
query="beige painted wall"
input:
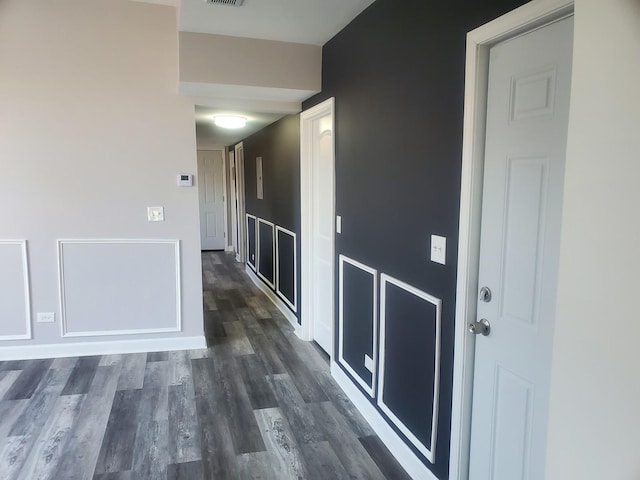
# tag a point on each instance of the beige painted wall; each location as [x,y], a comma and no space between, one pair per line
[595,392]
[92,132]
[224,60]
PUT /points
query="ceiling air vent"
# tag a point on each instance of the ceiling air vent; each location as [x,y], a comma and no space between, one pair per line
[234,3]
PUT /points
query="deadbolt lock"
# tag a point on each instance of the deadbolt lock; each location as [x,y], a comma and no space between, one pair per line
[485,294]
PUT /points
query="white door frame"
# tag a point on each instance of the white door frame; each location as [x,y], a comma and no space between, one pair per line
[242,224]
[526,18]
[233,213]
[306,213]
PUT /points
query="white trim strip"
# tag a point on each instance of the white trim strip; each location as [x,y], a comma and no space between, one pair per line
[77,349]
[273,254]
[255,244]
[61,283]
[291,305]
[369,388]
[28,335]
[429,453]
[289,315]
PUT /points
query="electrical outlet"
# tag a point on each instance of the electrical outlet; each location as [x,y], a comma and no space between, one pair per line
[368,363]
[46,317]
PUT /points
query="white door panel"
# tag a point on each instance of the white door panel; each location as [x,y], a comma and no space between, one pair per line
[527,117]
[322,168]
[211,195]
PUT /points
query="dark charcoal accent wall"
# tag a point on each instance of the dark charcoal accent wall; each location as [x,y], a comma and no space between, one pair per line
[358,310]
[286,265]
[266,267]
[397,74]
[279,146]
[251,240]
[410,341]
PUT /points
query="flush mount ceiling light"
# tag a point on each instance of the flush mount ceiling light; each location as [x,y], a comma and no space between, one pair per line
[229,121]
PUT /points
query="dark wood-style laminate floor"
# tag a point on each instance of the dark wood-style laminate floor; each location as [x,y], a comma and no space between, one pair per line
[258,404]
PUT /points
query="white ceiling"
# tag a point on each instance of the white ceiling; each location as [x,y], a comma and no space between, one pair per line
[209,134]
[312,22]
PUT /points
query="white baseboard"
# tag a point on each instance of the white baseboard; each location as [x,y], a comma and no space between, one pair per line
[271,295]
[405,456]
[229,249]
[79,349]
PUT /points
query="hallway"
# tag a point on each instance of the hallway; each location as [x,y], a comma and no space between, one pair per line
[258,404]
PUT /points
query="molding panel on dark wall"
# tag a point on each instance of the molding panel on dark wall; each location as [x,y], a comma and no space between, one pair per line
[358,321]
[265,261]
[286,266]
[397,75]
[251,241]
[410,343]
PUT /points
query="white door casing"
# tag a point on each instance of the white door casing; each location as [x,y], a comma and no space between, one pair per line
[479,41]
[240,208]
[211,196]
[527,119]
[233,200]
[318,212]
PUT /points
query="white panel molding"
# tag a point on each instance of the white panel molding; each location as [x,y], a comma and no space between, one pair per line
[273,254]
[28,335]
[255,238]
[370,389]
[396,445]
[78,349]
[429,453]
[61,288]
[293,305]
[525,18]
[288,314]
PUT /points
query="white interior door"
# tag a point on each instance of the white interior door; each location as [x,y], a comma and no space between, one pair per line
[527,116]
[323,230]
[317,198]
[211,194]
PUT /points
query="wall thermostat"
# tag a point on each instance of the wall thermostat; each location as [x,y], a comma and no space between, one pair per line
[185,180]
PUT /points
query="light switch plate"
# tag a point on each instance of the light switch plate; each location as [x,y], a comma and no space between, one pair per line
[438,249]
[46,317]
[155,214]
[338,224]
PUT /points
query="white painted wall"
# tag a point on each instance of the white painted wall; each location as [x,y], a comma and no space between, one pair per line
[595,393]
[92,131]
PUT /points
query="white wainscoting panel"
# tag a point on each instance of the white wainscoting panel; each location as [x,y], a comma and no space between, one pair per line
[119,287]
[15,300]
[292,305]
[259,252]
[427,451]
[252,262]
[369,388]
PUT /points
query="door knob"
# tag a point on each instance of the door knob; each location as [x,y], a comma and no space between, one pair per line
[483,327]
[485,294]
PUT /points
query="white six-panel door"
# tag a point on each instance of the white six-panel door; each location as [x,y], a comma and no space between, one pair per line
[211,194]
[527,117]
